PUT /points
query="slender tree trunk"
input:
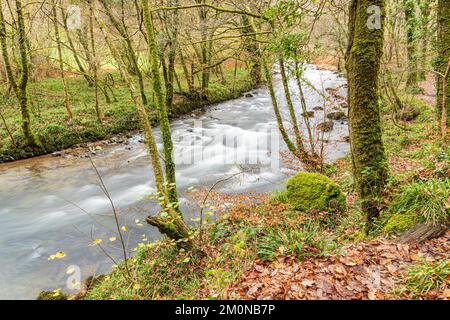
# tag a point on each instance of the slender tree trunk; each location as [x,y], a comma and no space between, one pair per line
[173,225]
[363,67]
[411,40]
[61,62]
[93,59]
[130,52]
[443,48]
[72,47]
[187,75]
[287,93]
[304,109]
[160,103]
[19,86]
[425,9]
[291,146]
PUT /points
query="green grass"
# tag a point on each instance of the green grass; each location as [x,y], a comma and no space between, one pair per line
[426,199]
[50,121]
[426,276]
[305,241]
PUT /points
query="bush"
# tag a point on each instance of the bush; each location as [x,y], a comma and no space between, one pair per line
[313,191]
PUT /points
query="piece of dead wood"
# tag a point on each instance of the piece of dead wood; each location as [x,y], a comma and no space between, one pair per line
[422,232]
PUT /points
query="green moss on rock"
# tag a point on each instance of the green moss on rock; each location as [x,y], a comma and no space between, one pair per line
[401,222]
[52,295]
[313,191]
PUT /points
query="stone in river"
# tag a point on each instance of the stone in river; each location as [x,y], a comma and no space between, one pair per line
[326,126]
[339,115]
[309,114]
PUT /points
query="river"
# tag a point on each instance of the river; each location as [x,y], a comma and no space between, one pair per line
[51,204]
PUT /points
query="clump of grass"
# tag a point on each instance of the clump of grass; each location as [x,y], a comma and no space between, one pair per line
[160,271]
[425,277]
[305,241]
[428,199]
[279,196]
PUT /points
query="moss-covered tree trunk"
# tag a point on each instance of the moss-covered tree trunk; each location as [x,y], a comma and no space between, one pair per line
[170,222]
[19,86]
[364,54]
[425,13]
[284,133]
[443,48]
[252,48]
[290,104]
[160,104]
[411,28]
[411,43]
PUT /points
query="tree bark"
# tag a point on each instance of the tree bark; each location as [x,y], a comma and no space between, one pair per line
[363,68]
[443,47]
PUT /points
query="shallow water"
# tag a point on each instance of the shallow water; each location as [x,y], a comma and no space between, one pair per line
[50,204]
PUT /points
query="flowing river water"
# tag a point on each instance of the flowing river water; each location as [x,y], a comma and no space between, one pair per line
[52,204]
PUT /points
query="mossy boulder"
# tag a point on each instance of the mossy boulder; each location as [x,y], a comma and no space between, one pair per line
[52,295]
[401,222]
[313,191]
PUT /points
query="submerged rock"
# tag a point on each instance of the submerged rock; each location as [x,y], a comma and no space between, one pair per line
[339,115]
[313,191]
[309,114]
[249,95]
[326,126]
[318,108]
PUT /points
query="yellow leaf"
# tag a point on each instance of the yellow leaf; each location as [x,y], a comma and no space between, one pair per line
[112,239]
[56,256]
[56,293]
[70,270]
[124,229]
[96,242]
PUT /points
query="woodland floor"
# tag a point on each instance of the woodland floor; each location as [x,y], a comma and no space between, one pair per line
[372,270]
[367,270]
[260,249]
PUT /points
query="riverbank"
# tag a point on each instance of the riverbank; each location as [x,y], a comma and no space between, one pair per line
[51,124]
[260,248]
